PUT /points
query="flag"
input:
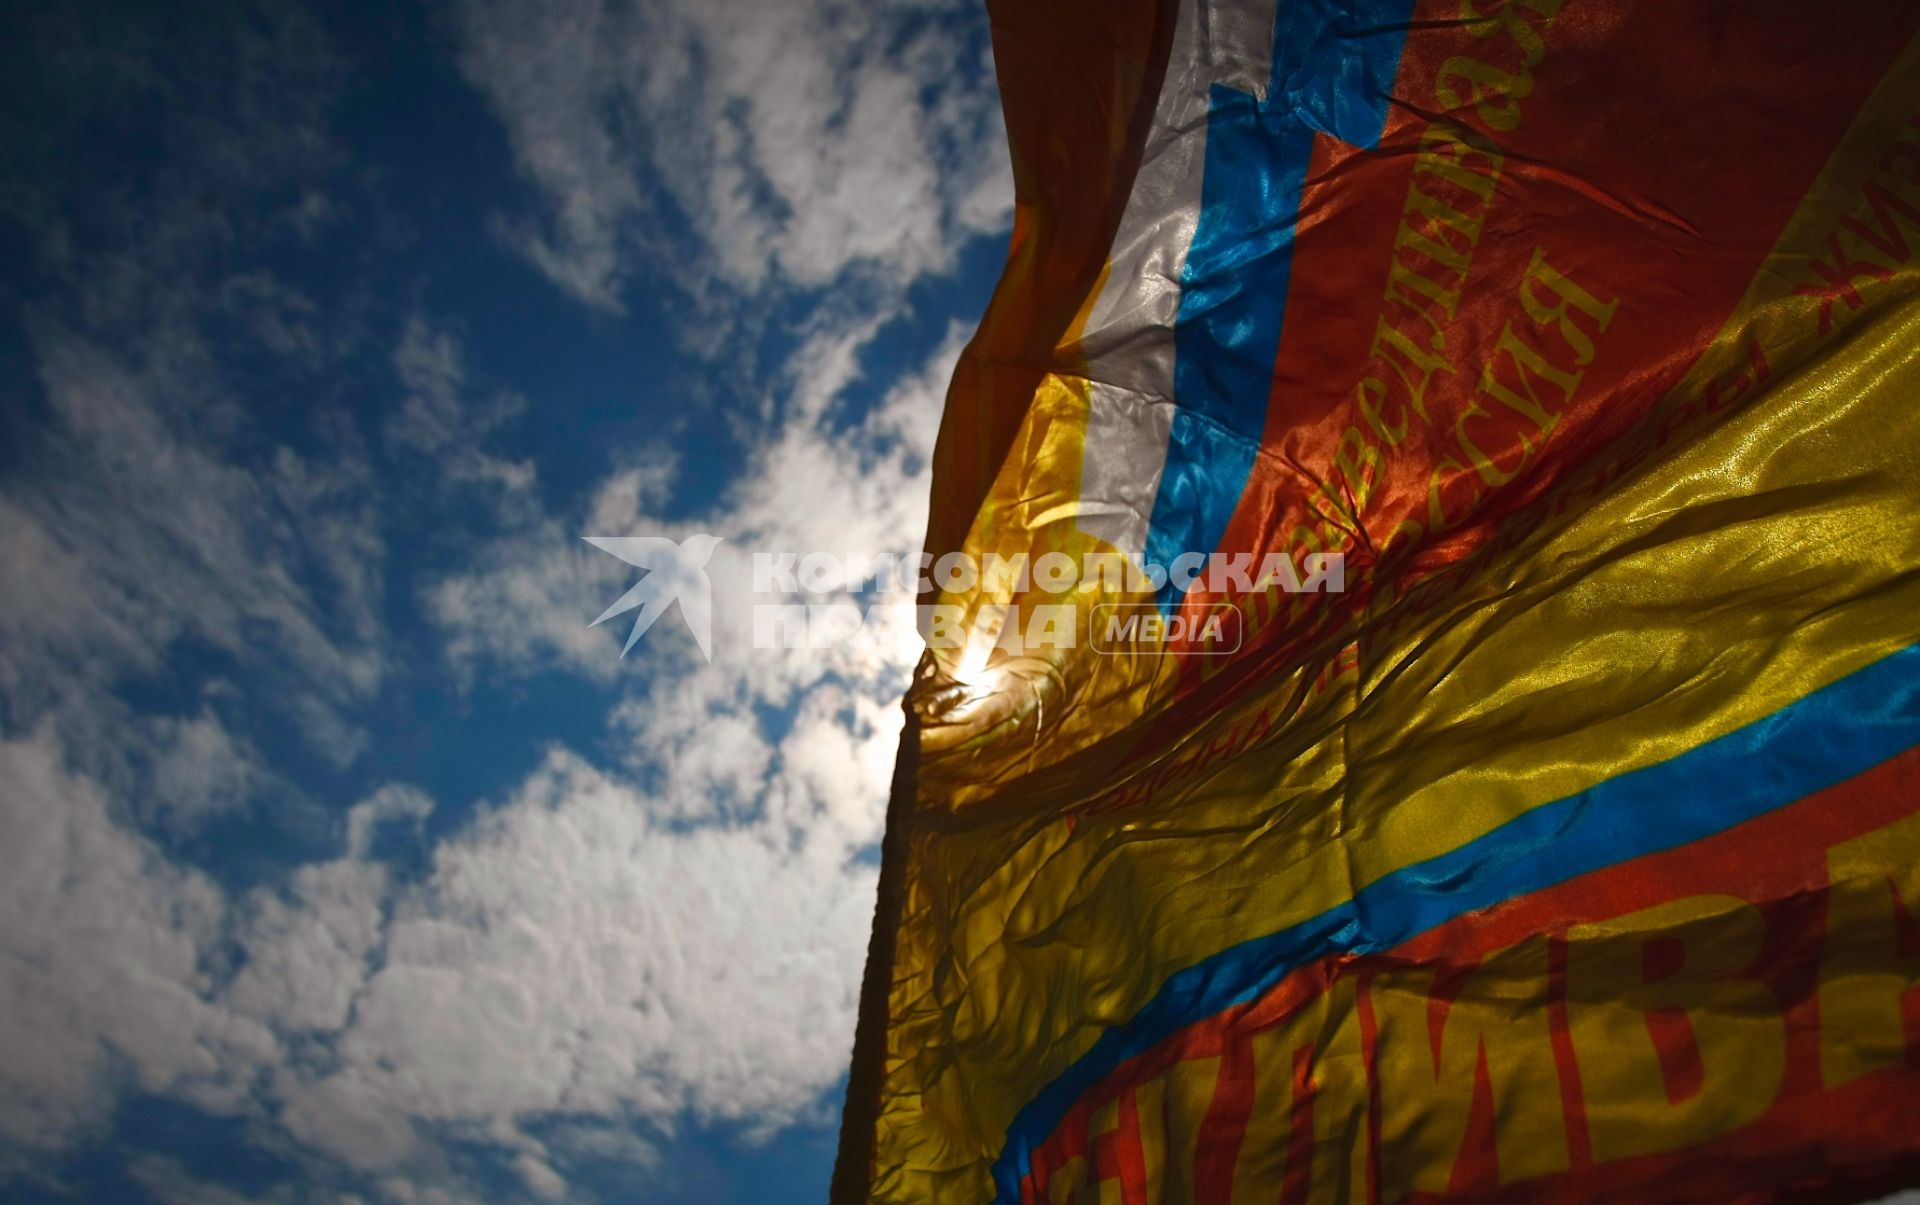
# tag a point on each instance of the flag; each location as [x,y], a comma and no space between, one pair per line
[1423,605]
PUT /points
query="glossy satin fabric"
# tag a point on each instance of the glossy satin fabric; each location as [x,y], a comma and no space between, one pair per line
[1570,853]
[1331,74]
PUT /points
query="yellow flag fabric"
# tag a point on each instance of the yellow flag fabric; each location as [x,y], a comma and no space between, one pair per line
[1423,692]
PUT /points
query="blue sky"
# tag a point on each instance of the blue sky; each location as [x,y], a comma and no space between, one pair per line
[339,858]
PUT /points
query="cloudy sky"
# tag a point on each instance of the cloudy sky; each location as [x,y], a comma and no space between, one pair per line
[340,859]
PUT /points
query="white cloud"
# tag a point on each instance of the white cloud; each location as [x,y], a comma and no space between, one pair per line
[800,739]
[830,135]
[143,532]
[436,421]
[105,945]
[520,604]
[604,1143]
[391,802]
[853,484]
[153,507]
[307,949]
[570,956]
[200,770]
[519,600]
[694,946]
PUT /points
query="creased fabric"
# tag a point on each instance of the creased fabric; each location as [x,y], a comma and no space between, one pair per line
[1571,852]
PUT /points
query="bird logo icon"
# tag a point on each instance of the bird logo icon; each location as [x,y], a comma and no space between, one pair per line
[674,572]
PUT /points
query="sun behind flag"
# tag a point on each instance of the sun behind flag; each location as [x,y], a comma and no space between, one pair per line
[1570,850]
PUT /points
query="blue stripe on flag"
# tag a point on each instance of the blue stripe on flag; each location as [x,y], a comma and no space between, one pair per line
[1825,738]
[1332,73]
